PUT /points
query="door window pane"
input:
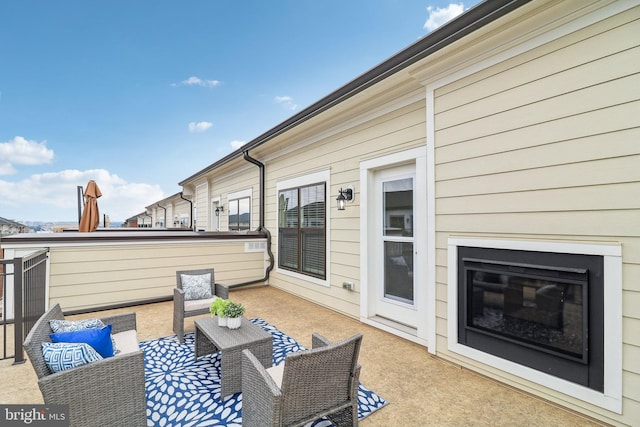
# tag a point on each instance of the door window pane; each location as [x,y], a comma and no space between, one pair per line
[398,207]
[398,271]
[240,214]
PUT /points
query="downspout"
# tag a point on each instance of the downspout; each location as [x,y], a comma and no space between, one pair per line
[190,211]
[165,214]
[261,227]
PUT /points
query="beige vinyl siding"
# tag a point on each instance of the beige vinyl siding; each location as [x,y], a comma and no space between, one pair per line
[545,146]
[181,208]
[201,203]
[84,277]
[341,153]
[242,176]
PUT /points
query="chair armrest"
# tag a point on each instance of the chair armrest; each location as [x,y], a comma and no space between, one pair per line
[318,340]
[121,322]
[104,392]
[261,397]
[222,290]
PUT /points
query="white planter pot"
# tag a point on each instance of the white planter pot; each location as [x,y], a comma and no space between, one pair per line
[234,322]
[222,321]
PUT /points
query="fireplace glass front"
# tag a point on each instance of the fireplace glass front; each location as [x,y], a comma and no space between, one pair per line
[540,309]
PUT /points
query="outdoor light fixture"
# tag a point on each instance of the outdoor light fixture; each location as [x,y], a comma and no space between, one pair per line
[344,197]
[219,209]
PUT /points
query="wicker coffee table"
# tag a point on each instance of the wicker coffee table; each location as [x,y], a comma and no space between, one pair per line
[211,338]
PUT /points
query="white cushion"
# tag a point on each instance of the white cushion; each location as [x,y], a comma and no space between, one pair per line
[276,373]
[127,341]
[196,286]
[198,304]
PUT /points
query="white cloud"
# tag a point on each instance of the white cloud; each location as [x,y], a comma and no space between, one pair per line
[237,144]
[53,196]
[439,16]
[199,127]
[197,81]
[286,102]
[20,151]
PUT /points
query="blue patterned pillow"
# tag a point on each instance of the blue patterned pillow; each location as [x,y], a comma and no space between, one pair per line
[62,356]
[196,286]
[99,339]
[75,325]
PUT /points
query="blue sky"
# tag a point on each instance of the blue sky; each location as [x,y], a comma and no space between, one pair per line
[139,95]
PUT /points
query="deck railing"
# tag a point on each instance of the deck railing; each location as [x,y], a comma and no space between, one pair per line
[84,272]
[29,281]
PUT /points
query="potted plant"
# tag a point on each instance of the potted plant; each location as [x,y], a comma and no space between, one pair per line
[234,311]
[217,309]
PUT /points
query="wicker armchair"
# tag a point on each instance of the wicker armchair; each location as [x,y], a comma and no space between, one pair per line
[108,392]
[310,384]
[193,308]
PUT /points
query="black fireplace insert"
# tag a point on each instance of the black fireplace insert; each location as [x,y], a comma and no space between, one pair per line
[543,310]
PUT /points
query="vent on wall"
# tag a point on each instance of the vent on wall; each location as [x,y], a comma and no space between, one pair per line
[255,246]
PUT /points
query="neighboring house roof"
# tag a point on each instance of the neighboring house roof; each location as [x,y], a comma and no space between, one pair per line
[10,223]
[136,216]
[470,21]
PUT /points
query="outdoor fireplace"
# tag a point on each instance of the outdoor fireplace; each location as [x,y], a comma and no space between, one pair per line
[543,310]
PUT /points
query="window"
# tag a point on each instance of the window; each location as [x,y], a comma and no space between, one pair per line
[302,229]
[240,214]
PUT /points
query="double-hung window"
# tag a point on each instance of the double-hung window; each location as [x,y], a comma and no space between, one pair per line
[302,229]
[240,214]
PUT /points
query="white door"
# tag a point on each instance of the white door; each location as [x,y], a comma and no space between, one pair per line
[393,237]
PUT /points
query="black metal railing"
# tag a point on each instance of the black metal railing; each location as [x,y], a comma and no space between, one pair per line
[4,263]
[29,282]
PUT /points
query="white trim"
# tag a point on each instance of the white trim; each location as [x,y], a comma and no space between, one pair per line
[240,194]
[611,399]
[430,171]
[124,241]
[299,181]
[215,219]
[424,299]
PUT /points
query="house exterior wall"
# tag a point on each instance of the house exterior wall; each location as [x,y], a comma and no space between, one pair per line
[544,146]
[180,214]
[395,123]
[242,178]
[531,128]
[201,207]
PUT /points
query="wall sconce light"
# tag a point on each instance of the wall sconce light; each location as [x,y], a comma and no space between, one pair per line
[219,209]
[344,197]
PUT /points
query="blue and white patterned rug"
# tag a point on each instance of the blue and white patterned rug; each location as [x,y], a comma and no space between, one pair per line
[185,392]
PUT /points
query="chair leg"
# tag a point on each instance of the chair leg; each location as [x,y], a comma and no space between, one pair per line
[178,327]
[348,417]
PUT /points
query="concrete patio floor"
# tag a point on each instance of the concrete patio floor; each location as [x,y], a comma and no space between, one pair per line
[421,390]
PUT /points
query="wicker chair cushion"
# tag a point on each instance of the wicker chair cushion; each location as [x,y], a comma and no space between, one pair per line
[126,342]
[75,325]
[99,339]
[196,286]
[200,304]
[276,373]
[62,356]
